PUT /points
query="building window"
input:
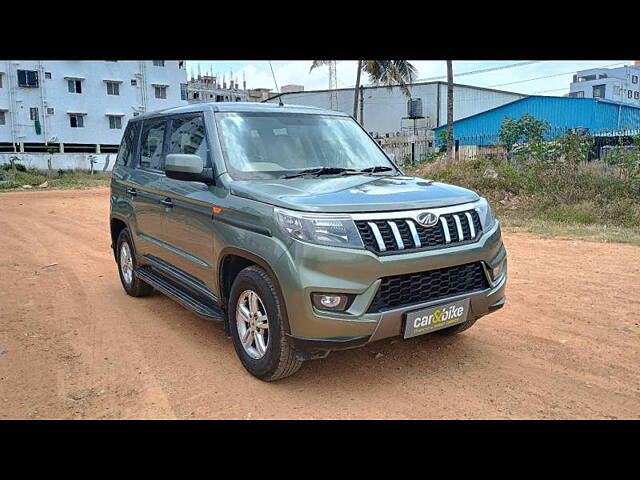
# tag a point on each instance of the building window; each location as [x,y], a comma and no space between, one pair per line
[634,79]
[33,113]
[629,93]
[115,122]
[3,119]
[75,86]
[47,75]
[196,95]
[161,92]
[183,91]
[580,94]
[134,82]
[113,88]
[0,79]
[598,91]
[158,63]
[76,121]
[636,95]
[181,65]
[50,111]
[28,78]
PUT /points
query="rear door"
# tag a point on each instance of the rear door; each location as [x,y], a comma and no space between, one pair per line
[148,185]
[188,224]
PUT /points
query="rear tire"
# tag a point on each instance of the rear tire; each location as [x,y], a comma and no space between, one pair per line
[461,327]
[255,315]
[125,254]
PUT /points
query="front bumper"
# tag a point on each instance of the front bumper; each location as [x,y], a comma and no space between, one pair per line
[306,269]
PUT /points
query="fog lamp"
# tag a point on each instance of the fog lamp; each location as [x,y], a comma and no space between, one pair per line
[330,301]
[497,270]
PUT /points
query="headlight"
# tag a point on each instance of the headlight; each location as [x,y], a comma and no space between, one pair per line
[334,230]
[486,215]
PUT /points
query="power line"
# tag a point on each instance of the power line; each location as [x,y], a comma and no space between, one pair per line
[483,70]
[472,72]
[552,90]
[550,76]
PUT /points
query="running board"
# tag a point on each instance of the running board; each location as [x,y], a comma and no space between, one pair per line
[170,288]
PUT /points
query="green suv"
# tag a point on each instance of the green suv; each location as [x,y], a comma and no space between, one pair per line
[295,229]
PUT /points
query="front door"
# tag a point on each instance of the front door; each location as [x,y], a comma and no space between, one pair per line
[188,223]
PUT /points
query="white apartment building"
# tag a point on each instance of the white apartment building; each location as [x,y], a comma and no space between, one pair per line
[81,106]
[616,84]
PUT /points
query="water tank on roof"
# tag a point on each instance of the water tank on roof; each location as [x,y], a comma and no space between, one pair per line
[414,108]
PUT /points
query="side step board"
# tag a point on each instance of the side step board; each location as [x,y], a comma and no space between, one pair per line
[173,290]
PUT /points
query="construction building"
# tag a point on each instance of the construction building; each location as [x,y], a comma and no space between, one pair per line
[206,89]
[81,106]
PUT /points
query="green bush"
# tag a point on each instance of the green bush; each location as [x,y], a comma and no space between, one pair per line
[564,191]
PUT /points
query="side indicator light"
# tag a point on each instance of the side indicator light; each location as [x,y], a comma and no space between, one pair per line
[217,209]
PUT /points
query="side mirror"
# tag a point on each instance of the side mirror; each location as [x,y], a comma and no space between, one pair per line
[188,167]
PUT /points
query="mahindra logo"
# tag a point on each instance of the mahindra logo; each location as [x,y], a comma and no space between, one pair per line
[427,219]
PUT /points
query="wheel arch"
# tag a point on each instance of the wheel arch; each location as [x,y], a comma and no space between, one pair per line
[232,261]
[117,224]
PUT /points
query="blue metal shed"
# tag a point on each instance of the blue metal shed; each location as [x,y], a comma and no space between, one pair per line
[561,112]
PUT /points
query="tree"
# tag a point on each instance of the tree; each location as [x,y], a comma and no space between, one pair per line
[381,72]
[449,111]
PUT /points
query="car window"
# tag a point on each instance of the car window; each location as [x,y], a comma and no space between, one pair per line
[264,145]
[128,144]
[188,135]
[151,144]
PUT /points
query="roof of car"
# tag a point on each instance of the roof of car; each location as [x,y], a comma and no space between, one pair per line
[240,107]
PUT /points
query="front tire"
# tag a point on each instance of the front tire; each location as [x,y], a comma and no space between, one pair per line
[125,254]
[257,327]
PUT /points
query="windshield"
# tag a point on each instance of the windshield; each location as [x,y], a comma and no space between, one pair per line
[274,145]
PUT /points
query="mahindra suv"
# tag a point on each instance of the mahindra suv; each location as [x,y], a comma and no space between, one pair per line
[293,227]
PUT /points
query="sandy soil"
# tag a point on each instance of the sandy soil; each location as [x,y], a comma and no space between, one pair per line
[74,345]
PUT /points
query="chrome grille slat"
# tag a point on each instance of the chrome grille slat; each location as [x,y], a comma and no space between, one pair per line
[456,218]
[378,237]
[400,232]
[471,227]
[445,227]
[396,234]
[414,234]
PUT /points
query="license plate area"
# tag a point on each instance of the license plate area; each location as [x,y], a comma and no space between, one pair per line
[437,317]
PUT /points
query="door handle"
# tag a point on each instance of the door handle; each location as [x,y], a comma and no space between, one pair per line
[167,202]
[132,191]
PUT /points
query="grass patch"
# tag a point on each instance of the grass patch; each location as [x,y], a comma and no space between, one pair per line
[11,181]
[588,200]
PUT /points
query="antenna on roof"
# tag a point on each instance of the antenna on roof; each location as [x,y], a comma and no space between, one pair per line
[277,89]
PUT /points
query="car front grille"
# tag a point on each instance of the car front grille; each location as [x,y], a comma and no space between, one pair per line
[413,288]
[405,234]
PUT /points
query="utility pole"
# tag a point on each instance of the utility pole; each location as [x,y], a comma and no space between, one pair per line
[362,106]
[449,111]
[333,85]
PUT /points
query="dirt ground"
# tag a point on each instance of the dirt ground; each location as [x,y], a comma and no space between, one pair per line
[74,345]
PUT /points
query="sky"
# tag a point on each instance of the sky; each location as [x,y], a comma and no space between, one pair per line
[258,74]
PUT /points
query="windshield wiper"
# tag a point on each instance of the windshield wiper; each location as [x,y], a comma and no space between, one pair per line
[377,168]
[320,171]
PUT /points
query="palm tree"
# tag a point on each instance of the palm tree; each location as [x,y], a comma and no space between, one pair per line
[449,111]
[381,72]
